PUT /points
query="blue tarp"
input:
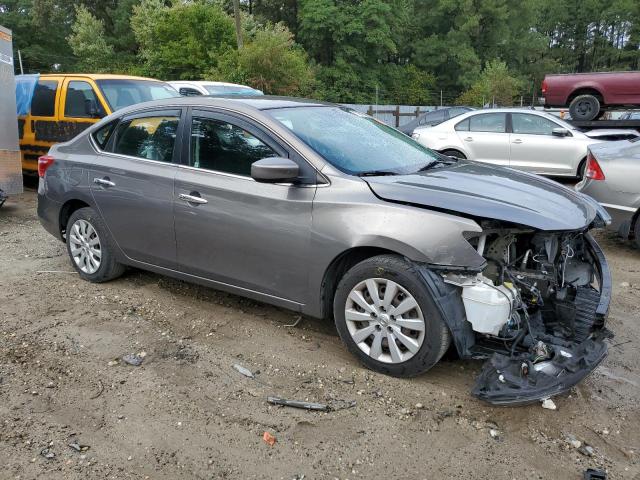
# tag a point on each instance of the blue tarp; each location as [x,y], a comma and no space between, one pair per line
[25,86]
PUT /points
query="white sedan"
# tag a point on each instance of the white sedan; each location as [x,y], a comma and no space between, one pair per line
[525,139]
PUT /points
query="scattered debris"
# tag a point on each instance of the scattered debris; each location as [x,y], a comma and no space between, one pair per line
[93,397]
[77,446]
[419,406]
[51,385]
[53,271]
[494,433]
[134,359]
[298,404]
[625,284]
[587,450]
[295,324]
[298,477]
[244,371]
[549,404]
[269,439]
[573,441]
[593,474]
[47,453]
[113,363]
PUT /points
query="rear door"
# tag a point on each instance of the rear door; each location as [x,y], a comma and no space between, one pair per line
[39,129]
[238,231]
[484,136]
[534,148]
[132,183]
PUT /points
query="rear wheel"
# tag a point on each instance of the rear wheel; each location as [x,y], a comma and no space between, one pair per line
[584,107]
[636,232]
[581,169]
[386,316]
[90,247]
[454,153]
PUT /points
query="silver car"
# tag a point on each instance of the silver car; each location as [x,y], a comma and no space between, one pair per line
[323,210]
[524,139]
[612,174]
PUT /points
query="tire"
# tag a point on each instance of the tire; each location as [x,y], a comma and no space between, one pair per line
[454,153]
[584,108]
[86,232]
[636,232]
[427,347]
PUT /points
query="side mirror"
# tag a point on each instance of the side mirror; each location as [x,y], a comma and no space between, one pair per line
[560,132]
[275,170]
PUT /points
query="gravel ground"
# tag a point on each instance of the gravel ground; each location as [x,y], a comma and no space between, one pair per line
[187,413]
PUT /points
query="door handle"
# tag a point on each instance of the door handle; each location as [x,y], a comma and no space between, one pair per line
[192,199]
[468,139]
[517,140]
[104,182]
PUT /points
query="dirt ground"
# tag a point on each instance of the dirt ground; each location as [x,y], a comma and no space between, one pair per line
[187,413]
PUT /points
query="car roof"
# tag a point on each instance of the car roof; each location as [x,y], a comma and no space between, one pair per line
[240,102]
[206,82]
[98,76]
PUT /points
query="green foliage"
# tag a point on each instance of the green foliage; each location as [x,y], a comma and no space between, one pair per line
[271,62]
[182,41]
[88,43]
[496,85]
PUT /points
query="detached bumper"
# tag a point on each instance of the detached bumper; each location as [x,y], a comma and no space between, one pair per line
[518,380]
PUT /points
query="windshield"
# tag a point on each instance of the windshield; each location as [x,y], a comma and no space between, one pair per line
[122,93]
[231,90]
[353,142]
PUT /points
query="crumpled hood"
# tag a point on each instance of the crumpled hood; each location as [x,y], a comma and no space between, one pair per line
[493,192]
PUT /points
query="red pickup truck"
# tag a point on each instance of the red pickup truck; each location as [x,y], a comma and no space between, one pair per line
[589,95]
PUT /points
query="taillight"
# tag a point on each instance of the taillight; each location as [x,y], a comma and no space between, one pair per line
[44,162]
[544,86]
[593,171]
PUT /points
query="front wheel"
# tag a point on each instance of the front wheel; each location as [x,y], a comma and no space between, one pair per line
[385,315]
[454,154]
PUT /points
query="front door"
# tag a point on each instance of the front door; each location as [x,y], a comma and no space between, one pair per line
[232,229]
[485,137]
[133,185]
[534,148]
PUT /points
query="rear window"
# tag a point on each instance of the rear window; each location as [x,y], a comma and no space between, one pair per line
[125,92]
[44,98]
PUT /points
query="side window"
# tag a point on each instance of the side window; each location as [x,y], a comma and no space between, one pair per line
[488,122]
[102,135]
[43,103]
[455,111]
[223,147]
[152,138]
[81,101]
[189,92]
[532,124]
[463,126]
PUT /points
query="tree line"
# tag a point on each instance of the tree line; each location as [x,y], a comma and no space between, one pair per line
[358,51]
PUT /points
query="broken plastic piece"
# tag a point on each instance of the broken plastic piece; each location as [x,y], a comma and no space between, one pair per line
[298,404]
[47,453]
[269,439]
[77,446]
[593,474]
[244,371]
[134,359]
[549,404]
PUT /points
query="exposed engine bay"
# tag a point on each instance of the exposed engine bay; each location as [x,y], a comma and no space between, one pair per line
[536,311]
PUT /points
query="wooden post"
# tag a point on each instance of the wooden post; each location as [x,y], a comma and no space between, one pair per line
[370,111]
[417,111]
[397,115]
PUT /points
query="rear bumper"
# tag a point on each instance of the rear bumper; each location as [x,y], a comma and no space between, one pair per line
[516,380]
[49,214]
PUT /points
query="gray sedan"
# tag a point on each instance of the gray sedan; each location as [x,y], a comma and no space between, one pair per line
[323,210]
[612,175]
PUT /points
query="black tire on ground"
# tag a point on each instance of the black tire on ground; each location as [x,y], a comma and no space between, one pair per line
[454,153]
[109,268]
[393,267]
[584,107]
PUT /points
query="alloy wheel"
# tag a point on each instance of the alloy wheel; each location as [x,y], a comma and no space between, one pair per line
[85,246]
[384,320]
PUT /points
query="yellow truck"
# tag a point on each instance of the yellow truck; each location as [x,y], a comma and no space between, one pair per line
[63,105]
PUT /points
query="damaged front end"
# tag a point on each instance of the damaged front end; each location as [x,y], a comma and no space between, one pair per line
[537,311]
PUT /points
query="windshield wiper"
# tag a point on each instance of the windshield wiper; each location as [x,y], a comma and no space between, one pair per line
[376,173]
